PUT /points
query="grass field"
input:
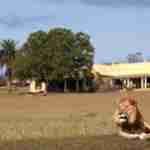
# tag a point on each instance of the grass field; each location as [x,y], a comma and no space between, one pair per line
[65,122]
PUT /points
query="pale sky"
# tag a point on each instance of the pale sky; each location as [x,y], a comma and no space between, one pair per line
[116,27]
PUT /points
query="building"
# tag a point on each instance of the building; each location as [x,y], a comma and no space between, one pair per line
[135,75]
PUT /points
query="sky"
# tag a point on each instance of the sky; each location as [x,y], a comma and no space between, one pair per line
[116,27]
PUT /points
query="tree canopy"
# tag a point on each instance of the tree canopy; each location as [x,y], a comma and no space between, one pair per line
[9,48]
[55,55]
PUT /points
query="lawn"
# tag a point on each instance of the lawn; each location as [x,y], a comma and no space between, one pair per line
[65,121]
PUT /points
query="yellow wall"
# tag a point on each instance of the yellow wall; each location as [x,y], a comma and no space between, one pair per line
[118,70]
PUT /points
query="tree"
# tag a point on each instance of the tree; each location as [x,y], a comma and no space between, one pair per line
[34,54]
[9,47]
[23,67]
[45,55]
[61,41]
[52,56]
[83,59]
[135,57]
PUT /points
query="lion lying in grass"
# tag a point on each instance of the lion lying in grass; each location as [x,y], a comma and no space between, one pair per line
[129,120]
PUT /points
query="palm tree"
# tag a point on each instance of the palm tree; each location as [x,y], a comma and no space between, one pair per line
[9,47]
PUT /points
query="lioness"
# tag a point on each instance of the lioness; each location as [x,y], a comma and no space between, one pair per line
[129,119]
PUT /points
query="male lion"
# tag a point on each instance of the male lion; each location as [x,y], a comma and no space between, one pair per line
[129,119]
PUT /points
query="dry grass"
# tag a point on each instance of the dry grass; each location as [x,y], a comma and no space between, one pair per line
[107,142]
[81,120]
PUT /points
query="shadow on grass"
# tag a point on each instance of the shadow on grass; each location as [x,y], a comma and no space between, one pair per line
[107,142]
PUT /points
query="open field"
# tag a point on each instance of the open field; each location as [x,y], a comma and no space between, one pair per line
[65,121]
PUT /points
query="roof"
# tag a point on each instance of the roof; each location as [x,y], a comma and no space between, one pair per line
[122,70]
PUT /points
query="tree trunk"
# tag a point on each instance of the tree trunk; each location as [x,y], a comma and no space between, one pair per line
[77,85]
[44,88]
[84,85]
[65,86]
[9,85]
[32,86]
[9,80]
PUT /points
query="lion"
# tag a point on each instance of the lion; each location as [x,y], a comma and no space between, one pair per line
[129,120]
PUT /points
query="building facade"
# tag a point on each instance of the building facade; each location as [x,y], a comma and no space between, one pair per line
[129,75]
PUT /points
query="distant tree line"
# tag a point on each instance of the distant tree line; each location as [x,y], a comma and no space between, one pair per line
[130,58]
[135,57]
